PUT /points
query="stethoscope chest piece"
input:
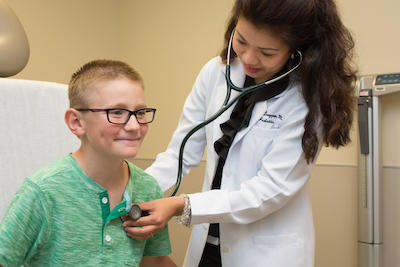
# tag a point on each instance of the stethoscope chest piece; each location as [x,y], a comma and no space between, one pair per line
[135,213]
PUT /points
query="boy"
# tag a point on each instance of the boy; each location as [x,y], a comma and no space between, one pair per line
[68,213]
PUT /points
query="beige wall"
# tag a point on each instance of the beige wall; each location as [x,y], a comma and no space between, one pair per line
[169,41]
[65,34]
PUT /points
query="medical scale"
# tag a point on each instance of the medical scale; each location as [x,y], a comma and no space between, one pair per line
[370,89]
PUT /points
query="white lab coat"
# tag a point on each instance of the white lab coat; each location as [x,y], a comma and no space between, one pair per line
[263,206]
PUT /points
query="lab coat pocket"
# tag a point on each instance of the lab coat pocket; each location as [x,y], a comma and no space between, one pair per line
[274,240]
[263,132]
[283,250]
[259,140]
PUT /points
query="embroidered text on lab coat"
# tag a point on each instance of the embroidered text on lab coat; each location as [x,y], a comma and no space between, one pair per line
[270,118]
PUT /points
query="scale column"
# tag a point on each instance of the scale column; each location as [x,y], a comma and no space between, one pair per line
[370,227]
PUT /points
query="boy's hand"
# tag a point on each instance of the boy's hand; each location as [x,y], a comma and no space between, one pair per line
[160,212]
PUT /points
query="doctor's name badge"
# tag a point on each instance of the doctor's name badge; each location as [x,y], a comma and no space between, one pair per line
[270,118]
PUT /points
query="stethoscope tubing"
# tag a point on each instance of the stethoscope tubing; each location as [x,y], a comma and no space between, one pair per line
[225,106]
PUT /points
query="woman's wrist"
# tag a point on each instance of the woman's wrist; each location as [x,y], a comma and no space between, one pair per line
[186,217]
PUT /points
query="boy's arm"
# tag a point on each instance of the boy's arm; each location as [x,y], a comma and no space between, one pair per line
[24,224]
[161,261]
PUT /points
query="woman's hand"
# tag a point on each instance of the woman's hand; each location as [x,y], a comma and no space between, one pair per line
[160,212]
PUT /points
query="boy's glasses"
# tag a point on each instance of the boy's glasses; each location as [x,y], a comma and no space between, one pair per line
[122,116]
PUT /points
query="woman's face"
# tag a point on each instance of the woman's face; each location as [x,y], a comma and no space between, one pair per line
[261,53]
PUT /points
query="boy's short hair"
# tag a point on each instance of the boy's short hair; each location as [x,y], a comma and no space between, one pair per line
[95,72]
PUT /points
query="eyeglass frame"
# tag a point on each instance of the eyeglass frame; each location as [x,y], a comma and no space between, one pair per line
[107,110]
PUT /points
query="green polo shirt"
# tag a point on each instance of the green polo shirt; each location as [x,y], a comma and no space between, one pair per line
[61,217]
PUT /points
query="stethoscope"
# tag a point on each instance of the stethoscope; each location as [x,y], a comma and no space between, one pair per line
[226,105]
[134,212]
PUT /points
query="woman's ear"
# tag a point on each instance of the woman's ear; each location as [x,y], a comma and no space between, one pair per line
[73,119]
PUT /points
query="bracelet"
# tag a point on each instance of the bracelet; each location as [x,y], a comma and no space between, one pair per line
[186,216]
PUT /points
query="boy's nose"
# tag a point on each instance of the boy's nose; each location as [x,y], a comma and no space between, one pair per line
[132,123]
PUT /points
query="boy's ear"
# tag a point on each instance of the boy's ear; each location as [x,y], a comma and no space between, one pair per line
[73,120]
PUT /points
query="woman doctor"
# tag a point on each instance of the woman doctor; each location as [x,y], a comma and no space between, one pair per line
[254,208]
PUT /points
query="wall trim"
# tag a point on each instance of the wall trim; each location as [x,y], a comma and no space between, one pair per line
[317,164]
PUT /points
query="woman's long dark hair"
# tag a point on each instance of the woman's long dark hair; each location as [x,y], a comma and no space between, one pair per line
[327,75]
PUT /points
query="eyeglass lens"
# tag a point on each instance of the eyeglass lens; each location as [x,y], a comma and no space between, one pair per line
[121,116]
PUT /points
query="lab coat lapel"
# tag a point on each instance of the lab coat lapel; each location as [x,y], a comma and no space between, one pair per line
[258,112]
[238,77]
